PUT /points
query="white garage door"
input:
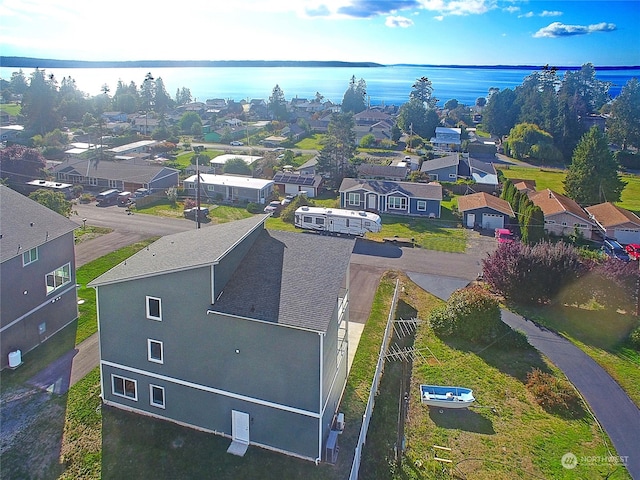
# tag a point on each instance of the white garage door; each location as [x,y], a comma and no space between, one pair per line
[491,221]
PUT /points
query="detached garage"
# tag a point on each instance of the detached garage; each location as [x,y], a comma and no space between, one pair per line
[482,210]
[616,222]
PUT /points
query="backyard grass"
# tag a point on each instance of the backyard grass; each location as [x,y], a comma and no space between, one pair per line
[602,335]
[217,213]
[83,234]
[314,142]
[87,320]
[553,179]
[12,109]
[505,435]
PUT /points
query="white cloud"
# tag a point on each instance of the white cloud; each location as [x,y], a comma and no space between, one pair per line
[557,29]
[459,7]
[526,15]
[439,17]
[511,9]
[401,22]
[551,13]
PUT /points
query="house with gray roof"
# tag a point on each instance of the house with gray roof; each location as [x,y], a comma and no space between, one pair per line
[386,196]
[231,329]
[443,169]
[37,268]
[124,175]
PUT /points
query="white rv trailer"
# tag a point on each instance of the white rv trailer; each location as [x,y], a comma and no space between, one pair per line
[335,220]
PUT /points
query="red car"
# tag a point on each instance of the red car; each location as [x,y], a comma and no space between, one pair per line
[633,249]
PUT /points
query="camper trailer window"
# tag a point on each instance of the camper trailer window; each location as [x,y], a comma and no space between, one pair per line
[307,220]
[319,221]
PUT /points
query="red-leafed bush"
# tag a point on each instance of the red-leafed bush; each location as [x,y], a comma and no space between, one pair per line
[553,394]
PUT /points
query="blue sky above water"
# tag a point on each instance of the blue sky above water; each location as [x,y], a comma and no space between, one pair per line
[435,32]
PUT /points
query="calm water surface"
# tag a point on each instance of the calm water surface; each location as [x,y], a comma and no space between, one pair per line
[388,85]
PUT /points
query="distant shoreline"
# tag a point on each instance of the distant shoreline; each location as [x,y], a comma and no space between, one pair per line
[29,62]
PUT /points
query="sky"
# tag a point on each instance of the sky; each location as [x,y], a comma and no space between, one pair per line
[432,32]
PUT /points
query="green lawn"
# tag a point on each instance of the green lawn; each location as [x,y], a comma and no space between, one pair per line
[553,179]
[505,435]
[217,213]
[311,143]
[12,109]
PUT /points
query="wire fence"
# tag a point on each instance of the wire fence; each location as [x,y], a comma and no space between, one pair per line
[355,467]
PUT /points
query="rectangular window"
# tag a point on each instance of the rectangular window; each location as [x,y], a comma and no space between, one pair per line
[29,256]
[156,396]
[397,203]
[422,205]
[124,387]
[307,219]
[58,278]
[154,351]
[354,199]
[93,181]
[319,221]
[154,308]
[113,183]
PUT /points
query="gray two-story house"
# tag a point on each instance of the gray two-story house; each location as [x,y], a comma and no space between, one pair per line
[231,329]
[37,271]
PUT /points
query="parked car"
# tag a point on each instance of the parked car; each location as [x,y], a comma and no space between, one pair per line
[286,200]
[141,192]
[633,250]
[123,198]
[273,206]
[236,143]
[278,149]
[504,235]
[614,250]
[108,197]
[191,213]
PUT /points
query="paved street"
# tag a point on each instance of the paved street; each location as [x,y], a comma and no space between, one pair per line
[437,272]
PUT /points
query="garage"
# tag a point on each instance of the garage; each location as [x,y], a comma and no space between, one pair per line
[491,221]
[626,236]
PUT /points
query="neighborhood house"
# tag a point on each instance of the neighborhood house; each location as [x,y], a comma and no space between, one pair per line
[231,329]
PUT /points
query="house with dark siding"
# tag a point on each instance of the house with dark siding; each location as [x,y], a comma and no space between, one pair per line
[482,210]
[231,329]
[37,268]
[386,196]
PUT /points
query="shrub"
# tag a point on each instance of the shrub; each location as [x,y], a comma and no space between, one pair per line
[553,394]
[634,338]
[254,207]
[470,313]
[532,275]
[85,198]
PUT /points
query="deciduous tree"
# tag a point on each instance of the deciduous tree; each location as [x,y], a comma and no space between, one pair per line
[624,123]
[56,201]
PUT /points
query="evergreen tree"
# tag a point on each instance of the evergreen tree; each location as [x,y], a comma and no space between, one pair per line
[334,160]
[624,123]
[422,91]
[593,175]
[354,100]
[501,112]
[278,104]
[39,103]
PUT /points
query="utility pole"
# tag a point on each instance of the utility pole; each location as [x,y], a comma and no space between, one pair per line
[198,190]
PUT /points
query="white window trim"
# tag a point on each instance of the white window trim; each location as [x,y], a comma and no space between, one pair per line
[149,316]
[124,380]
[350,198]
[53,288]
[421,205]
[391,202]
[151,402]
[151,341]
[34,249]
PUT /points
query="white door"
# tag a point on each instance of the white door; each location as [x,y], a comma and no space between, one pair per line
[471,220]
[240,426]
[492,221]
[371,202]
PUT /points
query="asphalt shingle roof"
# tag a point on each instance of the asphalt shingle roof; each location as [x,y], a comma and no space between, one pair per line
[431,191]
[25,224]
[482,200]
[182,251]
[289,278]
[609,215]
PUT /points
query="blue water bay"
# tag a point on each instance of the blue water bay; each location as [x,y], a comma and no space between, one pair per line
[388,85]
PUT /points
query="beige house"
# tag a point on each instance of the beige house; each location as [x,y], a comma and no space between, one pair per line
[616,222]
[562,215]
